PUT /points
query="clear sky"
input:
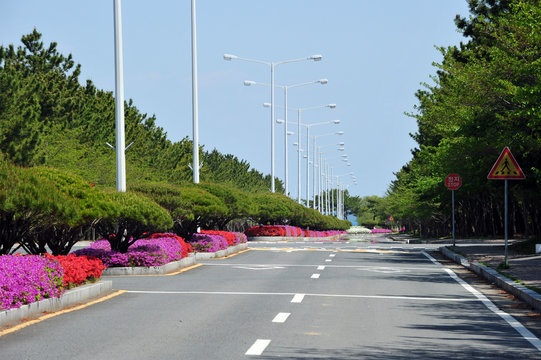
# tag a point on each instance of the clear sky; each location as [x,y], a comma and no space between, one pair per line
[376,54]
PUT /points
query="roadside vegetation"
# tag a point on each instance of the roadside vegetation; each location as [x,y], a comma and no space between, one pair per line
[485,95]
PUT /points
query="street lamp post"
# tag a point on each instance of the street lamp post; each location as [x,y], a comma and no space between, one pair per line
[119,102]
[317,150]
[341,196]
[195,105]
[329,196]
[299,124]
[272,65]
[307,156]
[286,88]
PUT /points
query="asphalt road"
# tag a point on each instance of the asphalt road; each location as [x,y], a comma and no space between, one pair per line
[291,300]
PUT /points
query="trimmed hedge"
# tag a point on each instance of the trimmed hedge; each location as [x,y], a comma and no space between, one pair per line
[44,208]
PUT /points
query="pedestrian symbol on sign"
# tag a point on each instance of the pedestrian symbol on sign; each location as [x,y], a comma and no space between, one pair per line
[506,167]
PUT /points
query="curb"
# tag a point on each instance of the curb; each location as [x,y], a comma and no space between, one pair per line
[221,253]
[150,270]
[69,298]
[530,297]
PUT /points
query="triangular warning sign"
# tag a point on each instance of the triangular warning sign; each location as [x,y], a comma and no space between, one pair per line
[506,167]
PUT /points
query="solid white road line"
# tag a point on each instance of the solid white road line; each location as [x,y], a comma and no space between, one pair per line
[321,267]
[315,276]
[525,333]
[281,317]
[258,347]
[297,298]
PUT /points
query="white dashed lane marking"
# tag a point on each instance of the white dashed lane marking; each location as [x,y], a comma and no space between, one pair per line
[321,267]
[297,298]
[281,317]
[315,276]
[258,347]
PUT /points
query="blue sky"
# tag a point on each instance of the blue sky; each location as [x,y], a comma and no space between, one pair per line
[376,54]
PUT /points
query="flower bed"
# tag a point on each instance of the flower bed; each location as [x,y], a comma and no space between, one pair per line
[233,238]
[240,238]
[78,269]
[143,252]
[288,231]
[186,247]
[25,279]
[208,242]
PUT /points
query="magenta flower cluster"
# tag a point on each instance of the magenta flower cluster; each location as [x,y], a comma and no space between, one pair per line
[26,279]
[240,238]
[208,243]
[143,252]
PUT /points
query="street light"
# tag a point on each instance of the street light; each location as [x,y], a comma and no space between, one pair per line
[119,101]
[307,156]
[286,87]
[329,182]
[316,151]
[272,65]
[299,123]
[340,202]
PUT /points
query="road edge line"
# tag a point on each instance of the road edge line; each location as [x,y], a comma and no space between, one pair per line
[514,323]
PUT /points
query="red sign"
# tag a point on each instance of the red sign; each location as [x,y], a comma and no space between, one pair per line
[453,181]
[506,167]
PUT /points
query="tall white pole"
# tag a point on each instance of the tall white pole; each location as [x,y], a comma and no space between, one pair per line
[327,205]
[285,143]
[332,192]
[320,178]
[307,165]
[272,127]
[119,102]
[299,156]
[314,176]
[195,105]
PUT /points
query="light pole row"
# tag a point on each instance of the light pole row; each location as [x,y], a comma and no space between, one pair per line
[272,65]
[286,88]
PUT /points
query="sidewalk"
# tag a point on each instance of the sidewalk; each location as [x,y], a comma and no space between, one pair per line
[526,268]
[483,257]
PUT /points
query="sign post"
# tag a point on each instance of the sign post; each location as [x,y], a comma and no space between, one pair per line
[453,182]
[506,168]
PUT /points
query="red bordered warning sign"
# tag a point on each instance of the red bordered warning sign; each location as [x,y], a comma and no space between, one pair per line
[506,167]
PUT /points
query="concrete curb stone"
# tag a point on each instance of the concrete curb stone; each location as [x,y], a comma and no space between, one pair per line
[221,253]
[530,297]
[150,270]
[71,297]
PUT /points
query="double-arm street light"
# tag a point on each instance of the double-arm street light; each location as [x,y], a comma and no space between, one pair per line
[272,65]
[308,126]
[299,124]
[286,88]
